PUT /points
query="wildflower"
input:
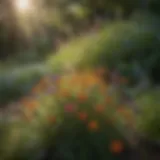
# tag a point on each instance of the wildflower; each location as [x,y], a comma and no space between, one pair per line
[116,146]
[82,116]
[93,125]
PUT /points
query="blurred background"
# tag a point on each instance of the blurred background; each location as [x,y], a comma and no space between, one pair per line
[39,37]
[31,32]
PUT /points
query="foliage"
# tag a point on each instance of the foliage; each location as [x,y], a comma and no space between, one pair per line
[16,82]
[154,6]
[79,122]
[149,119]
[120,43]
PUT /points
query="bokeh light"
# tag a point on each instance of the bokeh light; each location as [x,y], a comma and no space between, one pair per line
[23,5]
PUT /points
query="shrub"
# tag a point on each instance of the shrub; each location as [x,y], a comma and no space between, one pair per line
[84,121]
[149,119]
[118,44]
[17,82]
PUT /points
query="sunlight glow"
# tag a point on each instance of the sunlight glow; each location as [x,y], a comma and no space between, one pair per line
[23,5]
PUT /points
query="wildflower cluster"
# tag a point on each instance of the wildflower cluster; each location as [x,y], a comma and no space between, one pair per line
[81,104]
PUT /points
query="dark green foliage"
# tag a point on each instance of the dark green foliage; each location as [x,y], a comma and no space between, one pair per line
[117,45]
[154,6]
[149,119]
[17,82]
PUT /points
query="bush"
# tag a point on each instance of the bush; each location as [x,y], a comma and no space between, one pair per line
[118,44]
[86,121]
[17,82]
[149,118]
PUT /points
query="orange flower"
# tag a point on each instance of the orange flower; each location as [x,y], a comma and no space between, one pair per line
[116,146]
[82,97]
[82,116]
[93,125]
[99,108]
